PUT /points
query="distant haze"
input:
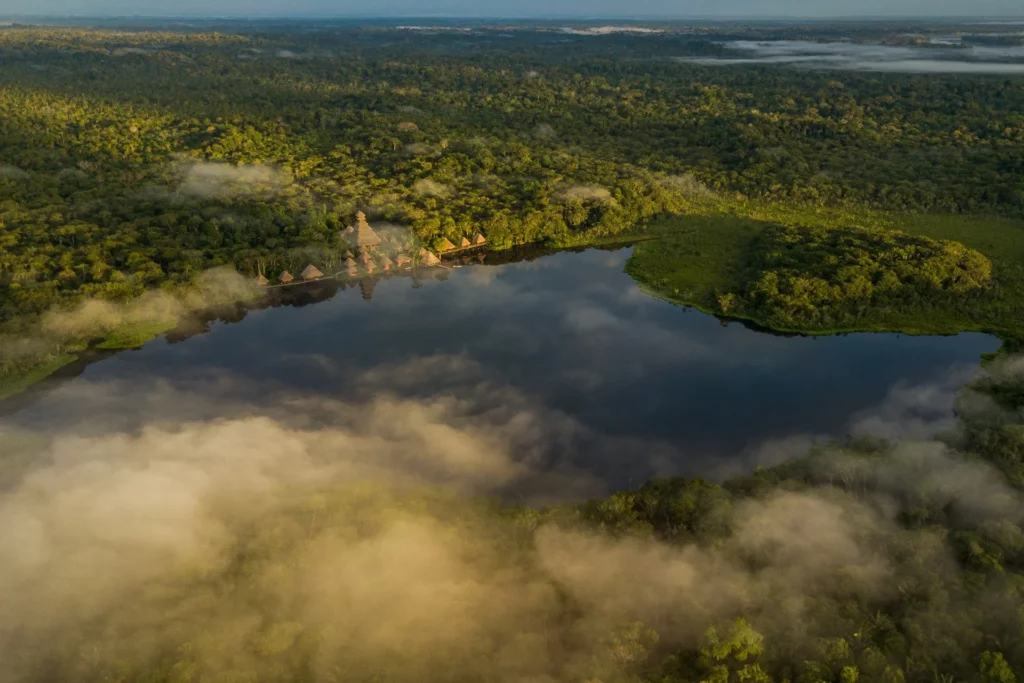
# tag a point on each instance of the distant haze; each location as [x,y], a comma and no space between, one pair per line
[523,8]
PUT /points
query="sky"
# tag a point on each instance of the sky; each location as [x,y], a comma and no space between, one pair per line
[522,8]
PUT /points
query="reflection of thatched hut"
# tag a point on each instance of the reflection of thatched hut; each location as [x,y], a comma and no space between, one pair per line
[428,258]
[285,277]
[464,244]
[403,261]
[311,273]
[261,280]
[479,240]
[446,245]
[366,286]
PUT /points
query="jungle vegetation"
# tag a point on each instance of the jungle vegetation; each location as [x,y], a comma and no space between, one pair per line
[134,158]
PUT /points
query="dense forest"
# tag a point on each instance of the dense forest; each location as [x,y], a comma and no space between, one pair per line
[136,158]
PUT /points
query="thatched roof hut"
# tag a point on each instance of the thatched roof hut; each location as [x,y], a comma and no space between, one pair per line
[428,258]
[386,263]
[350,262]
[311,273]
[464,243]
[364,234]
[370,267]
[446,245]
[403,260]
[479,240]
[285,277]
[261,280]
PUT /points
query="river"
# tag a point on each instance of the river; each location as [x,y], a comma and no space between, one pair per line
[621,385]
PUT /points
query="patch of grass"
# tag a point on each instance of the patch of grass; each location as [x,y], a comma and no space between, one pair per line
[700,258]
[15,383]
[135,336]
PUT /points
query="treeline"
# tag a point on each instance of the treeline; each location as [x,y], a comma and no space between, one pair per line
[817,278]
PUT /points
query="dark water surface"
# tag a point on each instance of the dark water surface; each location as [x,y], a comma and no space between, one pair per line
[650,388]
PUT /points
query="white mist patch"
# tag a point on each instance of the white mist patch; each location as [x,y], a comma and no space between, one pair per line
[203,180]
[611,30]
[431,188]
[12,172]
[938,58]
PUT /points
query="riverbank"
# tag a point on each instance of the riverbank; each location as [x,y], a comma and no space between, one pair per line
[35,349]
[700,260]
[688,260]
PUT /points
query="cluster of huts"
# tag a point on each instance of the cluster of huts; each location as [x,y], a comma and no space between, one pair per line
[370,254]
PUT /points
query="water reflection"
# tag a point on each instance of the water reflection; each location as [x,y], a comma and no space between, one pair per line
[629,386]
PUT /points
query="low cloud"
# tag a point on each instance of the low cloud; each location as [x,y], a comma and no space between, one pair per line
[914,412]
[98,317]
[237,544]
[12,172]
[544,131]
[431,188]
[586,193]
[204,180]
[936,58]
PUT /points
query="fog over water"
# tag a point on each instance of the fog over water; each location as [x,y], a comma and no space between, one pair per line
[940,57]
[586,382]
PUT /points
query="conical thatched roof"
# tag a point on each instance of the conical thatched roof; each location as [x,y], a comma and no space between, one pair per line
[348,254]
[365,236]
[262,281]
[364,257]
[370,267]
[464,243]
[428,258]
[285,277]
[311,273]
[446,245]
[479,239]
[350,262]
[386,263]
[403,260]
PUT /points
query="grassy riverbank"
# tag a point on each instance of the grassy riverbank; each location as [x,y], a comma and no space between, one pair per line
[709,261]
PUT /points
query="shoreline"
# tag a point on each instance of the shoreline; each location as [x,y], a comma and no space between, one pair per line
[40,379]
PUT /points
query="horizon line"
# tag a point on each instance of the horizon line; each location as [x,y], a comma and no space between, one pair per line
[661,18]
